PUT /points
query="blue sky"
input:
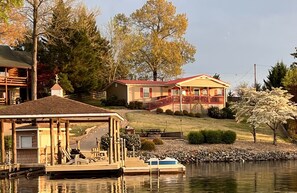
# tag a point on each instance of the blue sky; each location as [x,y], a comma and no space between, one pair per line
[230,35]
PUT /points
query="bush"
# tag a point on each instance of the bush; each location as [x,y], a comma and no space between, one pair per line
[159,111]
[229,114]
[228,137]
[8,142]
[213,137]
[191,115]
[225,113]
[148,145]
[198,115]
[169,112]
[185,112]
[113,101]
[158,141]
[178,113]
[195,137]
[131,140]
[135,105]
[213,112]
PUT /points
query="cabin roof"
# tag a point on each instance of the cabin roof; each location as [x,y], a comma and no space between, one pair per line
[12,58]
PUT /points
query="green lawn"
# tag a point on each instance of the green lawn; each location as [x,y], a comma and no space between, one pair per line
[144,120]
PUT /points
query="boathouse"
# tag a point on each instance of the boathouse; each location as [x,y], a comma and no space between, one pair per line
[58,114]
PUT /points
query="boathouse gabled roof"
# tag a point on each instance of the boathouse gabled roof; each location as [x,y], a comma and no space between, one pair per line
[12,58]
[55,107]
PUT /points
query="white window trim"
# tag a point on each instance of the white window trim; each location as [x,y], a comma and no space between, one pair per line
[144,92]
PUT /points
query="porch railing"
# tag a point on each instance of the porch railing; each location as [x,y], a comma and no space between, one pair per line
[185,100]
[13,81]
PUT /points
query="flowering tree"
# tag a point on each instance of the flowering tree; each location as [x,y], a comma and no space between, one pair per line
[273,108]
[244,108]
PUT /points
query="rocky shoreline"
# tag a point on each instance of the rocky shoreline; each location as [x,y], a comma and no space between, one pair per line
[240,151]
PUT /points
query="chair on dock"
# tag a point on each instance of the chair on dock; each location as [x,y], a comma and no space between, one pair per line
[74,159]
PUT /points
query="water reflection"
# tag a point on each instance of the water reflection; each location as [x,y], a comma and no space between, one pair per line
[210,177]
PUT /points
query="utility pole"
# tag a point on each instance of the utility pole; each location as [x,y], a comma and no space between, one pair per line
[255,76]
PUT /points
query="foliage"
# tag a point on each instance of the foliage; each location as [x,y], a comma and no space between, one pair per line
[6,7]
[290,81]
[169,112]
[113,101]
[185,112]
[198,115]
[153,35]
[228,137]
[191,114]
[273,109]
[213,136]
[216,112]
[159,110]
[158,141]
[216,76]
[196,137]
[8,142]
[148,145]
[135,105]
[131,140]
[276,75]
[178,113]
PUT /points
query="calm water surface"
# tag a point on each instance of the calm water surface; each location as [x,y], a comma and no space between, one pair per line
[210,177]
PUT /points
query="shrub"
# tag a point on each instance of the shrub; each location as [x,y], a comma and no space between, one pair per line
[185,112]
[213,137]
[113,101]
[159,111]
[198,115]
[228,137]
[158,141]
[169,112]
[8,142]
[131,105]
[131,140]
[191,115]
[213,112]
[195,137]
[178,113]
[148,145]
[229,114]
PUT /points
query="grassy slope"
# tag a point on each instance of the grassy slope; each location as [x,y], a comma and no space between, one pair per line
[142,120]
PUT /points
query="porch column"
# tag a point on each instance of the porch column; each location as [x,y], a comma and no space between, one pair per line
[2,142]
[52,141]
[208,94]
[110,156]
[59,142]
[14,152]
[27,87]
[67,134]
[6,89]
[118,140]
[180,99]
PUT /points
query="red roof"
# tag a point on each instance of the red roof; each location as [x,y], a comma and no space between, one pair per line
[164,83]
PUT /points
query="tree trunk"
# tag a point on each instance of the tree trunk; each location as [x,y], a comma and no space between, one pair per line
[254,134]
[35,42]
[274,136]
[155,75]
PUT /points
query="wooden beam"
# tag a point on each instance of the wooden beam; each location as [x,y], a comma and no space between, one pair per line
[2,141]
[115,140]
[14,151]
[52,141]
[110,153]
[118,140]
[67,135]
[6,89]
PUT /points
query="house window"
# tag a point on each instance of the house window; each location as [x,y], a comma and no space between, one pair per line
[26,141]
[196,92]
[219,92]
[204,92]
[115,84]
[146,92]
[175,92]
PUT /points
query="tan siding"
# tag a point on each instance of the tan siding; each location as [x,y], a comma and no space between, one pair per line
[120,91]
[202,83]
[134,93]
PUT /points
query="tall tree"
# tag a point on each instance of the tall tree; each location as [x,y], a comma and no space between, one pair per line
[290,81]
[275,76]
[157,38]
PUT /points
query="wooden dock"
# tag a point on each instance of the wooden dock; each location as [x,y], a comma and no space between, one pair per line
[135,166]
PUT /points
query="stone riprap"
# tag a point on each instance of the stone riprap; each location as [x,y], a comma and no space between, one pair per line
[240,151]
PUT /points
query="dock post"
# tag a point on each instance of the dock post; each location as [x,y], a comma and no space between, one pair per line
[133,151]
[2,141]
[45,152]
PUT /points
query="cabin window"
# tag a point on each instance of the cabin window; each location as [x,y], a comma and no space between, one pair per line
[196,92]
[26,141]
[146,92]
[115,84]
[219,92]
[204,92]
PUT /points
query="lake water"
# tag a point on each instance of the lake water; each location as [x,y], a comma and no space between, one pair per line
[279,176]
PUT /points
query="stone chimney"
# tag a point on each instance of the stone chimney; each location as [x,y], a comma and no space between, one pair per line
[57,89]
